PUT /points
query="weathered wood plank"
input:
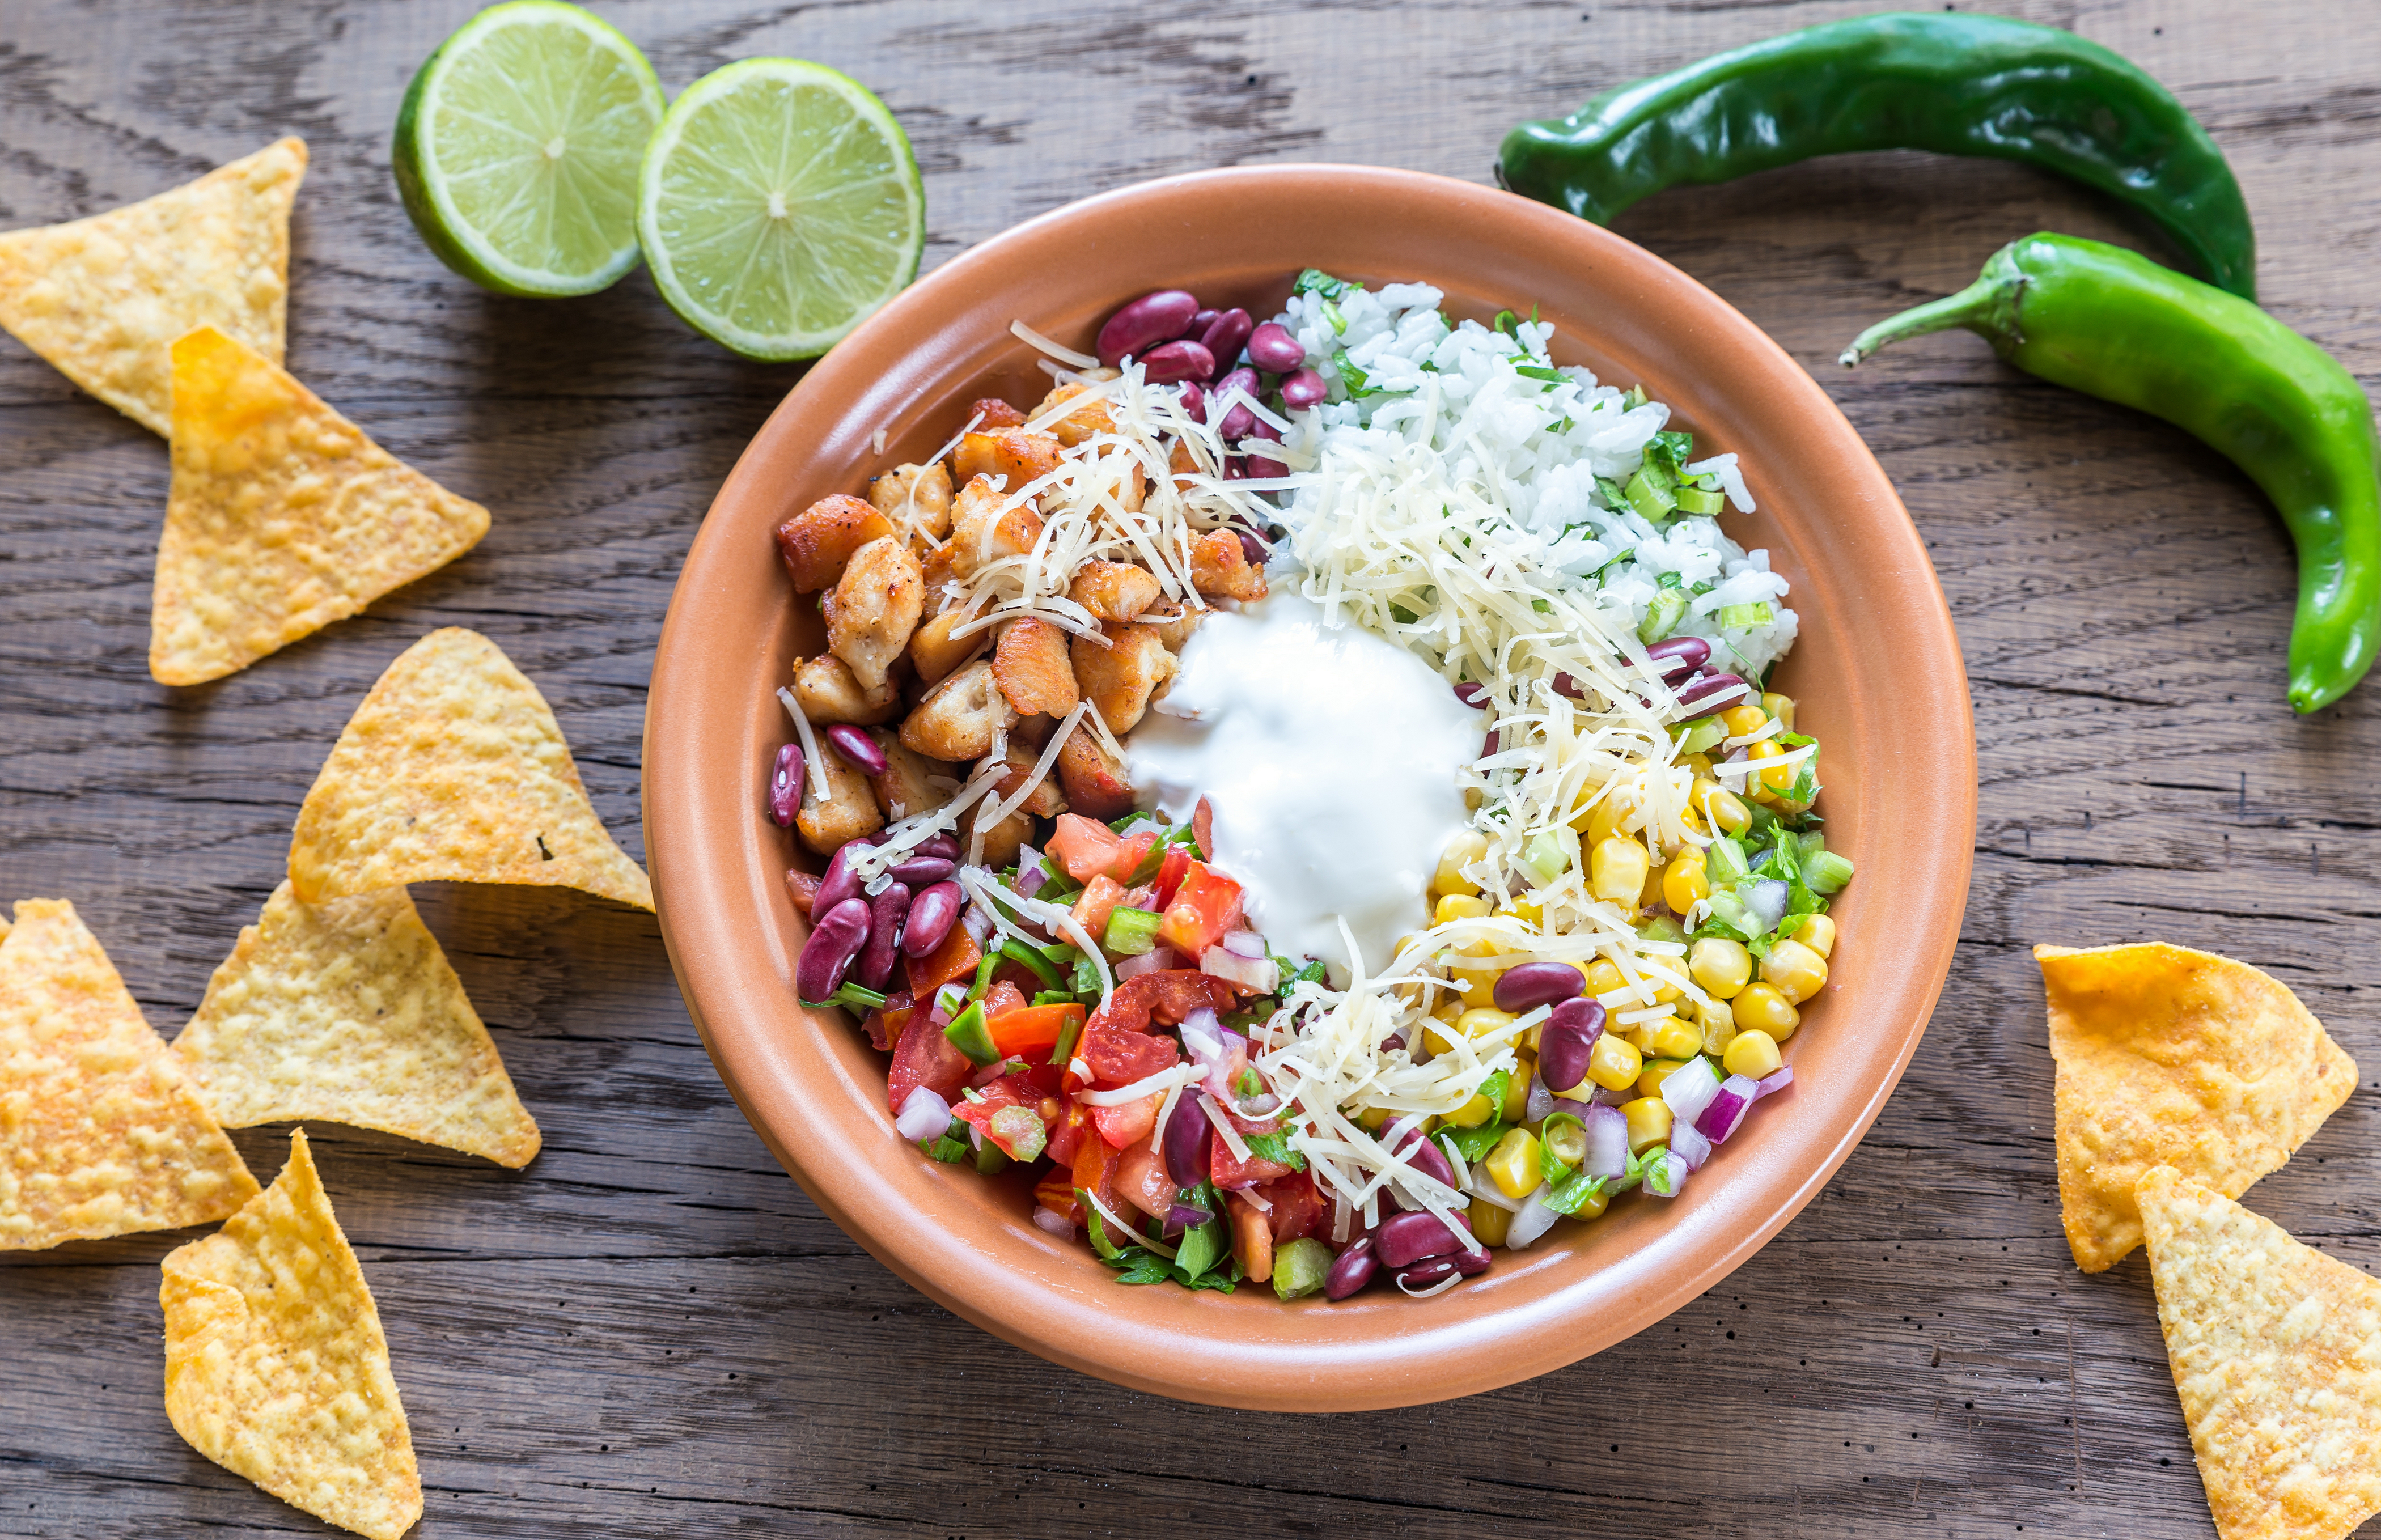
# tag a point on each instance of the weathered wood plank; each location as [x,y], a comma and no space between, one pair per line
[651,1329]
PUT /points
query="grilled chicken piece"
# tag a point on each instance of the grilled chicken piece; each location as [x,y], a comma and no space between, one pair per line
[817,542]
[1119,679]
[826,691]
[877,605]
[1030,667]
[956,718]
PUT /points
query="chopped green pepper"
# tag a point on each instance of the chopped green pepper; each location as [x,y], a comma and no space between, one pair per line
[969,1035]
[1132,932]
[1031,960]
[1300,1267]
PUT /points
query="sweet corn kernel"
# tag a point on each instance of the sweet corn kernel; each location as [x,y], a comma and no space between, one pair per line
[1641,1037]
[1692,817]
[1517,1088]
[1797,971]
[1481,1021]
[1754,1055]
[1728,812]
[1700,764]
[1818,933]
[1471,1114]
[1614,1063]
[1722,967]
[1684,882]
[1717,1021]
[1468,845]
[1762,1006]
[1618,870]
[1460,906]
[1603,976]
[1593,1208]
[1657,1071]
[1665,991]
[1776,778]
[1648,1123]
[1374,1119]
[1525,910]
[1743,719]
[1676,1039]
[1515,1166]
[1565,1142]
[1779,706]
[1489,1224]
[1649,892]
[1613,814]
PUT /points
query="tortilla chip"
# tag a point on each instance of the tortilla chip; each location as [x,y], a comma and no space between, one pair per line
[455,769]
[103,297]
[2275,1350]
[283,517]
[347,1012]
[275,1366]
[100,1133]
[2169,1057]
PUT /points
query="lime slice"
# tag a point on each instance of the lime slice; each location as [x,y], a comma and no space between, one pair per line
[518,147]
[780,206]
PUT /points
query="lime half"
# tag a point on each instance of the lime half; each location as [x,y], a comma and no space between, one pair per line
[780,206]
[518,147]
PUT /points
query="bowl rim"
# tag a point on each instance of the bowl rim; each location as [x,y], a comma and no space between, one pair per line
[733,964]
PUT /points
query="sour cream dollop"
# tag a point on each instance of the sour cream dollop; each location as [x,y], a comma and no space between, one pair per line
[1330,755]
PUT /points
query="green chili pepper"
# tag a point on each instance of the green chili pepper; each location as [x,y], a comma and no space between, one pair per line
[1953,84]
[2113,325]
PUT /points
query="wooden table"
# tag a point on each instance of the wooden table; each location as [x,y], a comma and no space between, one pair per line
[651,1330]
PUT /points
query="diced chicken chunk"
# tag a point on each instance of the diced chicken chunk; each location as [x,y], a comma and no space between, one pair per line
[877,605]
[1002,840]
[1119,679]
[1011,452]
[1113,590]
[957,718]
[905,788]
[826,691]
[1030,667]
[1173,626]
[934,652]
[981,534]
[1047,800]
[1095,781]
[915,497]
[1084,423]
[1220,567]
[817,542]
[846,811]
[991,414]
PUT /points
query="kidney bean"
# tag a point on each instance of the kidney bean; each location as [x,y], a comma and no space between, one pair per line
[1702,688]
[836,939]
[1261,467]
[1304,387]
[932,914]
[1265,430]
[1679,655]
[839,881]
[1568,1041]
[1430,1160]
[1253,548]
[1470,692]
[1236,468]
[1410,1237]
[886,912]
[1189,1156]
[855,745]
[1565,685]
[1200,321]
[1240,420]
[786,786]
[1153,318]
[1194,400]
[1175,362]
[1225,336]
[945,845]
[1351,1270]
[1272,349]
[1532,984]
[919,871]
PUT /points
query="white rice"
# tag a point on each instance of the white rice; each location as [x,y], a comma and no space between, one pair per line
[1534,446]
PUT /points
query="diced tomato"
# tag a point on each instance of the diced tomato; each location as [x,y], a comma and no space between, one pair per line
[923,1055]
[1045,1078]
[1232,1174]
[955,959]
[883,1025]
[1141,1178]
[1164,997]
[1131,1122]
[1030,1031]
[1170,873]
[1094,1170]
[1086,849]
[1066,1138]
[1299,1208]
[1002,998]
[1010,1091]
[1096,902]
[1203,828]
[1119,1057]
[1205,906]
[1056,1191]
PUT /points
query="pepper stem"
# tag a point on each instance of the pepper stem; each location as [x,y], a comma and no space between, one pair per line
[1987,307]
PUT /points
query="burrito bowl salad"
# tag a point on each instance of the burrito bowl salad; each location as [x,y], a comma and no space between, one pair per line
[1306,790]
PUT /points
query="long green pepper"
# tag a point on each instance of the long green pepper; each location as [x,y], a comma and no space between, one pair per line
[1957,85]
[2110,324]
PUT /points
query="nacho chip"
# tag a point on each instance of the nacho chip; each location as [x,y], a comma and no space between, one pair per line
[2169,1057]
[103,299]
[348,1011]
[2275,1350]
[100,1133]
[454,768]
[275,1366]
[283,517]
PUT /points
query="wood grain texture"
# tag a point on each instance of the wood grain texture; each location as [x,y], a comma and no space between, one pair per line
[649,1330]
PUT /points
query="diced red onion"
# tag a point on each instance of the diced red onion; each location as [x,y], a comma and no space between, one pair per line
[1203,1034]
[1765,896]
[1257,975]
[1688,1089]
[978,924]
[1183,1217]
[1153,962]
[1608,1141]
[1542,1101]
[1689,1145]
[1677,1181]
[1728,1108]
[1534,1219]
[924,1116]
[1030,873]
[1056,1223]
[1772,1084]
[1244,943]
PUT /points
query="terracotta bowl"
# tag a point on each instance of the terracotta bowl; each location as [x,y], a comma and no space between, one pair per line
[1878,672]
